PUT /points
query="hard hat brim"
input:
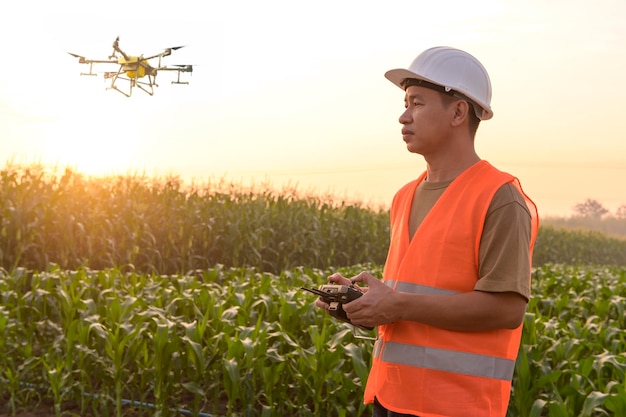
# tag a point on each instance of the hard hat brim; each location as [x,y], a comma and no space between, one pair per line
[398,75]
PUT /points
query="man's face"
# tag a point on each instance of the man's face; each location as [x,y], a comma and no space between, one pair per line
[425,124]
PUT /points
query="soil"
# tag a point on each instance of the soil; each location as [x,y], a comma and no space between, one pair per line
[39,411]
[43,410]
[69,410]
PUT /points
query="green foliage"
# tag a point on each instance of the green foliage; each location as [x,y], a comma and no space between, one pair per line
[187,297]
[229,341]
[573,246]
[160,226]
[572,359]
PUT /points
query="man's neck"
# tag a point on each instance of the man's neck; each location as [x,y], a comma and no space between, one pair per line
[449,169]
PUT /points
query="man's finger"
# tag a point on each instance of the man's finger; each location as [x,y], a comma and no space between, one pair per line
[339,279]
[362,277]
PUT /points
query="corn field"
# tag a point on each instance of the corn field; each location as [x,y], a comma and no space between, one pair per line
[166,227]
[130,296]
[163,226]
[221,341]
[239,342]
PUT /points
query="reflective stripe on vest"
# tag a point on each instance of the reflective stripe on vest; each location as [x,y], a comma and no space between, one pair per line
[441,359]
[445,360]
[418,288]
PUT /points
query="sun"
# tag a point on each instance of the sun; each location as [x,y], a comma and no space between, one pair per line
[94,139]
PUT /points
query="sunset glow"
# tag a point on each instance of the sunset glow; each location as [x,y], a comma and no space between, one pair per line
[294,93]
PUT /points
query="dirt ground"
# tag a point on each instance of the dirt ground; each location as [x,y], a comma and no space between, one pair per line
[38,412]
[71,409]
[68,411]
[41,411]
[49,412]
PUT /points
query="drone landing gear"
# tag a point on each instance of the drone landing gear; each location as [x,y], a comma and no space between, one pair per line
[90,70]
[178,81]
[148,87]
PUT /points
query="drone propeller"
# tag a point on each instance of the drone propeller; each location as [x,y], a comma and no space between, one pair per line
[168,51]
[81,59]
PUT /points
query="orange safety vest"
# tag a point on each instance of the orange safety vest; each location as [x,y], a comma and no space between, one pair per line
[428,371]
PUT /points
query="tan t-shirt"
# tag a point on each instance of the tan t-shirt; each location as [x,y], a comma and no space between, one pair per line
[504,254]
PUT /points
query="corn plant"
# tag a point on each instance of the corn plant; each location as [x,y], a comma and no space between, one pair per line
[163,226]
[572,360]
[241,342]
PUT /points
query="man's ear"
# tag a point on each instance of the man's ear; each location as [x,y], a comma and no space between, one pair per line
[461,112]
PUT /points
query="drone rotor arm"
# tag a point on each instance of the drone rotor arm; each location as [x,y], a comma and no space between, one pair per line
[83,60]
[176,67]
[165,52]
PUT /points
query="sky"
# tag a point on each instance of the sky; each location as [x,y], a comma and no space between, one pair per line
[292,93]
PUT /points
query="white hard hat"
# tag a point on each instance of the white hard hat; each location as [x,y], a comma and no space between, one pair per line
[452,71]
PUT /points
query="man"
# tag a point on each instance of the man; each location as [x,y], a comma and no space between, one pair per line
[456,282]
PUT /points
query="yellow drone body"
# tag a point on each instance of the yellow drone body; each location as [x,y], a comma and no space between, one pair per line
[134,66]
[134,71]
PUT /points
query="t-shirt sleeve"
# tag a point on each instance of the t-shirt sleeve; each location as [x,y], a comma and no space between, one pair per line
[504,254]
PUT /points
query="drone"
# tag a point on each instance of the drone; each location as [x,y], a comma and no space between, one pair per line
[135,71]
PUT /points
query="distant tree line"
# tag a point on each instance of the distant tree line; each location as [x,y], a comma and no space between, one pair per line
[592,215]
[594,209]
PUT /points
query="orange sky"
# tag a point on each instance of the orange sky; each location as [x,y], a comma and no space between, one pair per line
[293,93]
